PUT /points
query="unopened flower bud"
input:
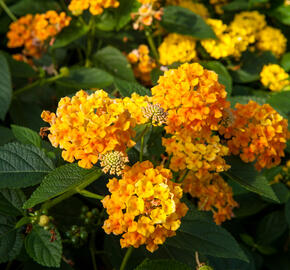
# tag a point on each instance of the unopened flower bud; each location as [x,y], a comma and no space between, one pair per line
[113,162]
[43,220]
[154,112]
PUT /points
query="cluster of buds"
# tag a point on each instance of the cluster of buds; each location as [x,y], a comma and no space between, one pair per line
[155,113]
[41,218]
[145,15]
[113,162]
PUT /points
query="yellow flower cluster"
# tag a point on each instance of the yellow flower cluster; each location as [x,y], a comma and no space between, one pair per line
[86,126]
[96,7]
[258,134]
[32,32]
[201,155]
[193,98]
[195,7]
[177,48]
[274,77]
[214,195]
[144,206]
[142,63]
[271,39]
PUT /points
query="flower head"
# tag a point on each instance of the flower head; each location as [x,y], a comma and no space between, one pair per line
[113,162]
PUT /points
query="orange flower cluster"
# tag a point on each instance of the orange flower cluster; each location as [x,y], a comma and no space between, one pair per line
[214,195]
[86,126]
[96,7]
[193,97]
[142,63]
[33,31]
[144,206]
[258,133]
[146,13]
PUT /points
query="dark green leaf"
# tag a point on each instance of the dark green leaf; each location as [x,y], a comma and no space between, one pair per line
[247,176]
[183,21]
[6,135]
[26,135]
[245,100]
[271,227]
[81,77]
[236,5]
[10,239]
[11,201]
[282,14]
[40,248]
[282,192]
[59,181]
[5,87]
[126,88]
[287,212]
[114,62]
[123,12]
[24,7]
[71,33]
[285,61]
[280,102]
[223,75]
[199,233]
[22,165]
[162,265]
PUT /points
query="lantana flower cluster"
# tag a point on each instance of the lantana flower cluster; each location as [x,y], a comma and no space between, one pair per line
[34,32]
[96,7]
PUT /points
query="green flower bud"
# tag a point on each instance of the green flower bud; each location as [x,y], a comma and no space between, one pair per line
[43,220]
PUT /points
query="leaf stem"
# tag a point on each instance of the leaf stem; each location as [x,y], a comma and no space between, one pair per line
[93,250]
[90,43]
[126,258]
[183,176]
[152,45]
[7,10]
[141,149]
[89,194]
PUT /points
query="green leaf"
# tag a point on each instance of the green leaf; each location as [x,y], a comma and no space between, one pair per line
[11,201]
[22,165]
[126,88]
[271,227]
[162,265]
[40,248]
[199,233]
[247,176]
[24,7]
[282,192]
[82,77]
[183,21]
[280,102]
[123,12]
[6,135]
[58,182]
[287,212]
[10,239]
[245,100]
[236,5]
[282,14]
[285,61]
[114,62]
[69,34]
[5,87]
[26,135]
[223,75]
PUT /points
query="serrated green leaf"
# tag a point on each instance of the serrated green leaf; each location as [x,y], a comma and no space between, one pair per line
[26,135]
[223,75]
[162,265]
[183,21]
[58,182]
[69,34]
[247,176]
[271,227]
[10,239]
[24,7]
[22,165]
[82,78]
[40,248]
[285,61]
[114,62]
[199,233]
[11,201]
[5,87]
[127,88]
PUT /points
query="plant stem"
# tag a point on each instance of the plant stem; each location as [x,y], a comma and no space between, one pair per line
[91,38]
[197,259]
[93,250]
[152,45]
[92,177]
[183,176]
[89,194]
[126,258]
[141,149]
[7,10]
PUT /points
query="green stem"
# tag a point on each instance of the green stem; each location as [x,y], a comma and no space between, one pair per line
[89,194]
[36,83]
[141,149]
[183,176]
[90,44]
[126,258]
[92,177]
[7,10]
[152,45]
[93,250]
